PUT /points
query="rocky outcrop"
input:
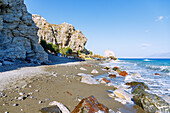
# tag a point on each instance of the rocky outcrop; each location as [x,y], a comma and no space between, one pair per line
[18,32]
[63,35]
[110,54]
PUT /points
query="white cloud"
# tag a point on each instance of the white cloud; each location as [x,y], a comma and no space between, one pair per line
[160,18]
[145,45]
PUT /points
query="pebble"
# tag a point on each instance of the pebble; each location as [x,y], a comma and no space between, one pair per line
[36,90]
[47,99]
[40,102]
[22,110]
[31,96]
[15,104]
[21,93]
[3,94]
[20,98]
[30,93]
[29,86]
[6,112]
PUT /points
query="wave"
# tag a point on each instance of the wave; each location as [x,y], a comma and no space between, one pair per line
[165,69]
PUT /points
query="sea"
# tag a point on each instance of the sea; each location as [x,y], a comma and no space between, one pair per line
[145,69]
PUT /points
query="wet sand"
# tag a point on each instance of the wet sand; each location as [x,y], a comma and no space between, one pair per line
[59,83]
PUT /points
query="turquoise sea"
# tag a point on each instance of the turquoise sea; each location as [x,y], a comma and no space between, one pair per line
[146,68]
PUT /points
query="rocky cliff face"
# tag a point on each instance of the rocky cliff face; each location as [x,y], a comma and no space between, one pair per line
[63,35]
[18,32]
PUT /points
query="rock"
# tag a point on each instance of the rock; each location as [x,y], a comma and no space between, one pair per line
[7,63]
[136,74]
[123,73]
[40,102]
[104,80]
[121,93]
[134,84]
[116,69]
[107,68]
[151,103]
[21,93]
[112,75]
[18,32]
[0,64]
[61,107]
[15,104]
[6,112]
[156,73]
[82,74]
[89,80]
[64,35]
[83,69]
[110,54]
[94,71]
[90,105]
[51,109]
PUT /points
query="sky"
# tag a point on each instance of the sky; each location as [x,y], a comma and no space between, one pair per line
[130,28]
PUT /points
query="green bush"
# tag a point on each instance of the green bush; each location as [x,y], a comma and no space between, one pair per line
[64,51]
[50,46]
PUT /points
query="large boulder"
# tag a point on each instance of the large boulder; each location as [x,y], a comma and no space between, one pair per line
[110,54]
[90,105]
[63,35]
[151,103]
[18,33]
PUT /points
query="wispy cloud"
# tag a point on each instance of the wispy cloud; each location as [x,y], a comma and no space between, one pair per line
[145,45]
[160,18]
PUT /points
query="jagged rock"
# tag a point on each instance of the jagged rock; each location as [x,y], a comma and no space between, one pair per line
[63,35]
[121,93]
[18,33]
[90,105]
[110,54]
[151,103]
[134,84]
[123,73]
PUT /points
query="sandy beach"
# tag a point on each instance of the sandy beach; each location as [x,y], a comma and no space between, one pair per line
[43,84]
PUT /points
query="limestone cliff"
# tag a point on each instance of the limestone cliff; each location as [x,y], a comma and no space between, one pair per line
[63,35]
[18,32]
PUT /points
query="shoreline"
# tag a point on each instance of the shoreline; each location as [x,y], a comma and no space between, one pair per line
[63,78]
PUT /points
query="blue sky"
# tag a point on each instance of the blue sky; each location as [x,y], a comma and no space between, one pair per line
[130,28]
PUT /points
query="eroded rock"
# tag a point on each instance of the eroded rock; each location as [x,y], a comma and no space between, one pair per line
[90,105]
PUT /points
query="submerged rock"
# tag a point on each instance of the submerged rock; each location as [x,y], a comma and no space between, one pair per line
[151,103]
[90,105]
[134,84]
[123,73]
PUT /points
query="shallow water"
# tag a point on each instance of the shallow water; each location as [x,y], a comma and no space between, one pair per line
[158,84]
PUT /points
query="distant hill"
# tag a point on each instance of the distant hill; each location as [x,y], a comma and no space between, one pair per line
[160,55]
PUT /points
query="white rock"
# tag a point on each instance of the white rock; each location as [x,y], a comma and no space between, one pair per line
[121,93]
[60,105]
[109,53]
[94,71]
[83,69]
[137,74]
[89,80]
[21,93]
[82,74]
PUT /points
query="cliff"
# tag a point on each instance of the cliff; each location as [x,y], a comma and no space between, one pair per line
[18,33]
[63,35]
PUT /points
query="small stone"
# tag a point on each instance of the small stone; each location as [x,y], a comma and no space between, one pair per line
[31,96]
[47,99]
[15,104]
[36,90]
[29,86]
[40,102]
[6,112]
[30,93]
[22,110]
[21,93]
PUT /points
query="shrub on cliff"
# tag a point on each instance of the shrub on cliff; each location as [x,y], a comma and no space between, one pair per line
[66,50]
[49,47]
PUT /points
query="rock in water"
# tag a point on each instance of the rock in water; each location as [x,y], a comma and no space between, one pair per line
[134,84]
[110,54]
[90,105]
[18,33]
[151,103]
[63,35]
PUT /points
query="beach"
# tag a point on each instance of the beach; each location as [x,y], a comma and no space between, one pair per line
[44,84]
